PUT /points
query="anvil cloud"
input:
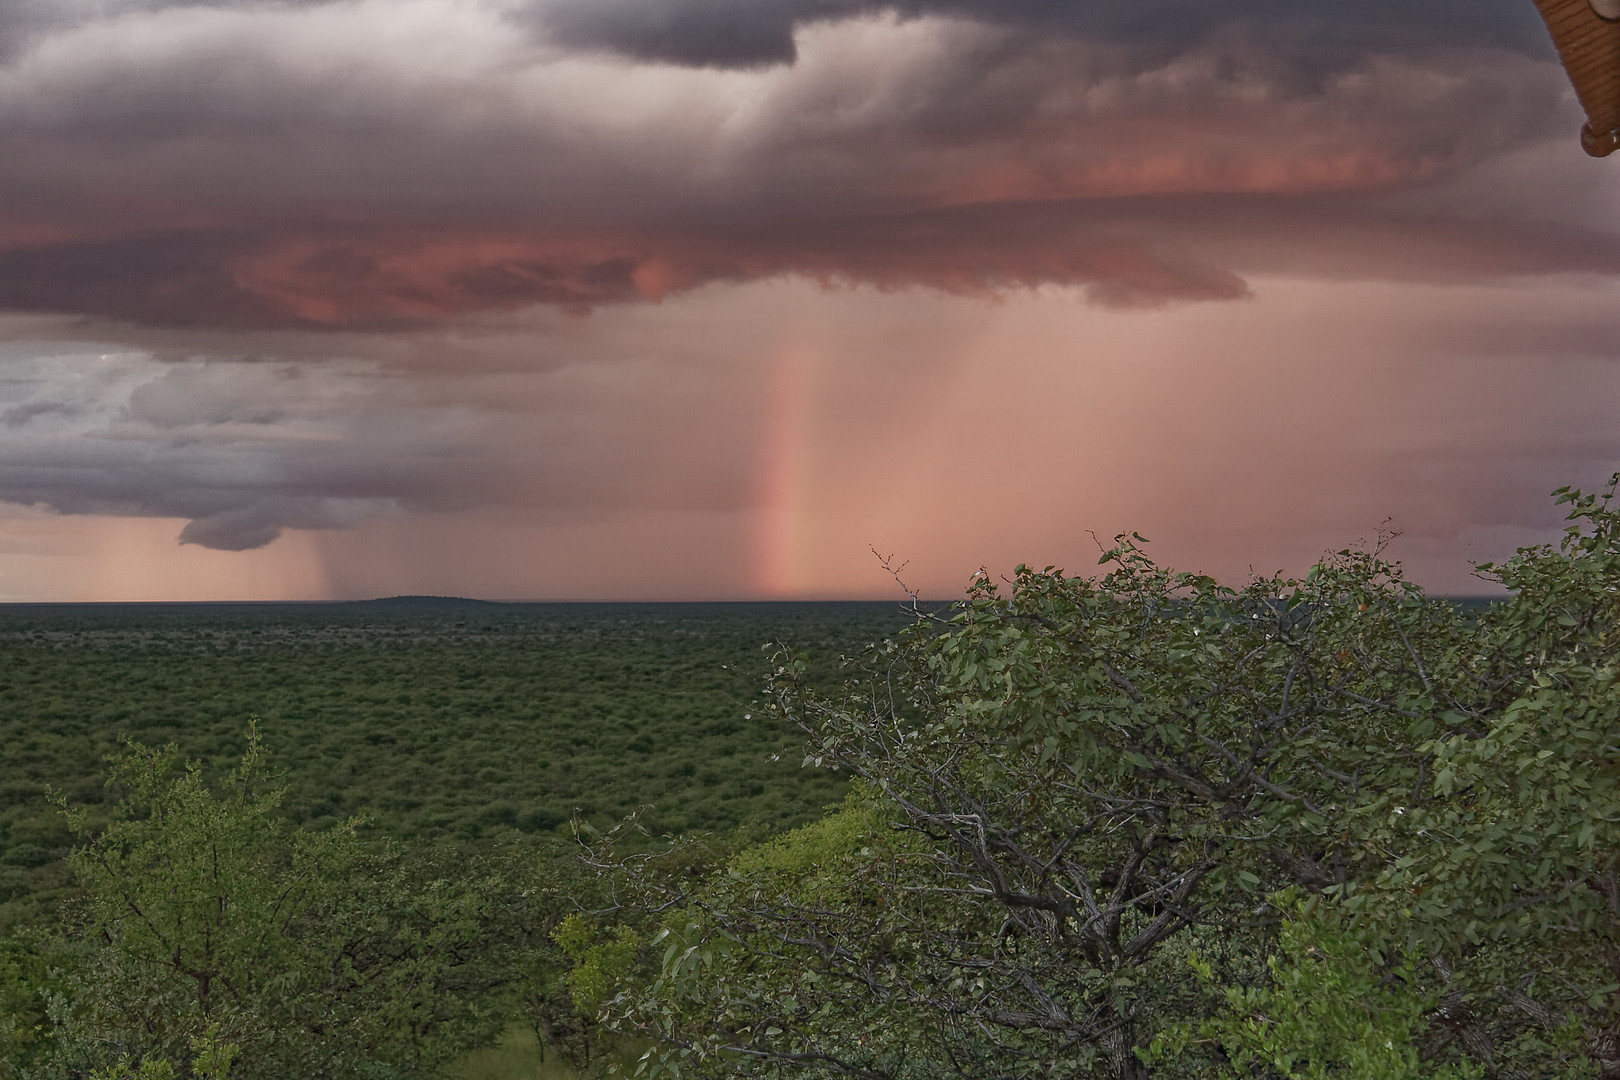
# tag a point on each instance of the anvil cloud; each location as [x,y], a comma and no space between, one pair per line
[601,266]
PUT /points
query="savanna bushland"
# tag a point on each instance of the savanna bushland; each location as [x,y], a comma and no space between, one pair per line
[438,736]
[1127,824]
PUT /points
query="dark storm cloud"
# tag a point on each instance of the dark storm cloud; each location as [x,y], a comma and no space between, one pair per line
[174,280]
[747,33]
[390,165]
[1312,36]
[190,280]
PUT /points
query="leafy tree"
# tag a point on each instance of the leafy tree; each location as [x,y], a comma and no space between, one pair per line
[1074,783]
[208,917]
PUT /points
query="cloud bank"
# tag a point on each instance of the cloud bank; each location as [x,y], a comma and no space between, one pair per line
[302,265]
[371,164]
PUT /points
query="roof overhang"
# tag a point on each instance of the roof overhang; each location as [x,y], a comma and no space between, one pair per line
[1587,36]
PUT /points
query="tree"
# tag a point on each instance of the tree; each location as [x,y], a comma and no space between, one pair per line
[206,916]
[1075,783]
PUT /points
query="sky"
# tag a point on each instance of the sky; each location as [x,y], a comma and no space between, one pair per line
[736,299]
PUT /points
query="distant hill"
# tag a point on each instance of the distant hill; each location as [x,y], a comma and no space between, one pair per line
[430,602]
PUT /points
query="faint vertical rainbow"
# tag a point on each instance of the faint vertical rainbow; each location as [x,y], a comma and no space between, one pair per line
[783,475]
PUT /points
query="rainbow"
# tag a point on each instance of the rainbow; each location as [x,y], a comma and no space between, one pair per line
[782,476]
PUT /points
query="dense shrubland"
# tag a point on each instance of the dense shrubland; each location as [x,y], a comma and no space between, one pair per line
[454,724]
[1130,825]
[422,765]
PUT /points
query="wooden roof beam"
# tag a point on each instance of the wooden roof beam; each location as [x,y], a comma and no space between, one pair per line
[1587,36]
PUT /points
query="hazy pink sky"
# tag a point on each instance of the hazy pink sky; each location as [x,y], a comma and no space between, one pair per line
[692,299]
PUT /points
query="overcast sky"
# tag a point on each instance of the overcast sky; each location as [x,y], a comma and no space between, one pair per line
[697,299]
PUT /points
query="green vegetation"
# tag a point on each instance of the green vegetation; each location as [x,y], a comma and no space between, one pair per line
[1146,825]
[442,721]
[1125,826]
[209,919]
[378,883]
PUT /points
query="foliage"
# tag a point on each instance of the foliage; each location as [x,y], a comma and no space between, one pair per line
[788,933]
[597,964]
[208,917]
[1084,778]
[30,978]
[470,734]
[544,994]
[1324,1013]
[211,1060]
[454,724]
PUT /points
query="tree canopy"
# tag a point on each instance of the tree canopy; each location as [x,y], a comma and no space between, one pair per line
[1142,823]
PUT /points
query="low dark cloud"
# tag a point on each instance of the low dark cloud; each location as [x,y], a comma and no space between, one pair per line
[175,280]
[243,449]
[379,283]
